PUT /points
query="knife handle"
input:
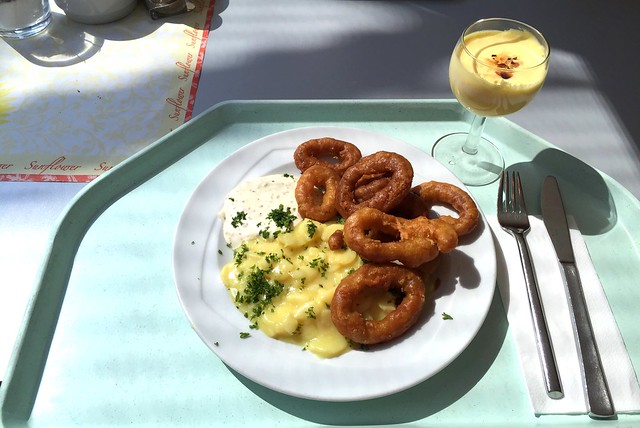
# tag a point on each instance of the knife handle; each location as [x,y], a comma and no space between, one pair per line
[597,389]
[543,339]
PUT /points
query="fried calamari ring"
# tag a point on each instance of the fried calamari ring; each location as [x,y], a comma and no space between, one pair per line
[380,237]
[316,193]
[336,154]
[352,324]
[435,192]
[393,165]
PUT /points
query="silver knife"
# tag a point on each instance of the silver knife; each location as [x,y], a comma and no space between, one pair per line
[594,379]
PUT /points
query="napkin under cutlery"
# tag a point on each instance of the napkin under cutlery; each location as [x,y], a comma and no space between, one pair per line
[618,368]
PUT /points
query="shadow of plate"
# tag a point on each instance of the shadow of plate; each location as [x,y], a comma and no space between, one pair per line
[418,402]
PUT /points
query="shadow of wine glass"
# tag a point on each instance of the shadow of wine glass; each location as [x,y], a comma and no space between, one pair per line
[585,194]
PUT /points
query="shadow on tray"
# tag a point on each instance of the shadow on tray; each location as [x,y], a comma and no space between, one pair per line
[585,194]
[418,402]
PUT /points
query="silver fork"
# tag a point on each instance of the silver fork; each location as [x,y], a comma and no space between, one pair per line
[513,217]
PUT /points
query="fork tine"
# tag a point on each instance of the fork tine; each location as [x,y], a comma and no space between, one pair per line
[520,194]
[508,191]
[511,188]
[501,198]
[511,195]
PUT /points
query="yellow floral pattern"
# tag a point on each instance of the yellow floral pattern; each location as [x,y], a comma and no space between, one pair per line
[5,107]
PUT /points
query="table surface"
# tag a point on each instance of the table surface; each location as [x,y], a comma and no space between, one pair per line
[375,50]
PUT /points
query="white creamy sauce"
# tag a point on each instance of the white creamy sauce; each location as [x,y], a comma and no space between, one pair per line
[255,199]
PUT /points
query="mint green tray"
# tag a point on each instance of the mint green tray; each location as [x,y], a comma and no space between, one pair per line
[105,340]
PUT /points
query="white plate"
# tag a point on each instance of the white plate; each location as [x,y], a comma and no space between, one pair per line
[465,291]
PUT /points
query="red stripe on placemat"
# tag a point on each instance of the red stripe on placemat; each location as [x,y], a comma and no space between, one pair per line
[201,51]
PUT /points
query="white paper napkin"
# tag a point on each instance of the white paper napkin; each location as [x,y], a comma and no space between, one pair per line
[618,369]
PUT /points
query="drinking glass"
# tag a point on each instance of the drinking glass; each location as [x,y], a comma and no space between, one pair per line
[497,66]
[23,18]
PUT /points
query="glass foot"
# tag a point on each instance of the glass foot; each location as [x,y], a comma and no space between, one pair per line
[478,169]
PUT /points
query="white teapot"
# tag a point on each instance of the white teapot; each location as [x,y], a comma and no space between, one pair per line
[96,11]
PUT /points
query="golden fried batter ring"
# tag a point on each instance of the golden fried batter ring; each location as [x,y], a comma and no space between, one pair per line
[351,323]
[396,167]
[316,193]
[379,237]
[335,154]
[435,193]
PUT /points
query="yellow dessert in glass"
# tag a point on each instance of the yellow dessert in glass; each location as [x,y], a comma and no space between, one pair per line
[495,73]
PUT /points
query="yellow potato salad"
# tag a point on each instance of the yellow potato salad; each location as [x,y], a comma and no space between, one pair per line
[284,285]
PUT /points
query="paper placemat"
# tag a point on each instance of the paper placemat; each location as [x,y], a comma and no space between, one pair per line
[77,99]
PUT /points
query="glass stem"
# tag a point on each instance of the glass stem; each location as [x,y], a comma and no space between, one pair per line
[473,138]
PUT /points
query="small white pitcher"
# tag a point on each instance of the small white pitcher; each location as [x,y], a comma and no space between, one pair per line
[96,11]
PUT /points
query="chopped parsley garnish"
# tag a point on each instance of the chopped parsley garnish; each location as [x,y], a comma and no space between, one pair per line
[259,291]
[446,316]
[244,335]
[311,228]
[284,256]
[238,219]
[272,258]
[264,233]
[282,218]
[320,264]
[240,253]
[310,312]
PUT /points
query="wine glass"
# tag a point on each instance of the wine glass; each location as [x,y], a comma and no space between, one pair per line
[497,66]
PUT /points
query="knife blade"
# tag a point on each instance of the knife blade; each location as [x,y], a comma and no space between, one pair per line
[593,376]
